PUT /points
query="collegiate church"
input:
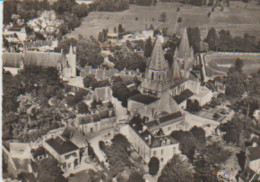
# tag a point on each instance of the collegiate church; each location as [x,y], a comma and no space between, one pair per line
[162,84]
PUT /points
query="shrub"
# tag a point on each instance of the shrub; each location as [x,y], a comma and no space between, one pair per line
[179,19]
[154,165]
[102,145]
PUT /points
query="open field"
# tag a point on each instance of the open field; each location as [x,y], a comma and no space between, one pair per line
[239,18]
[217,63]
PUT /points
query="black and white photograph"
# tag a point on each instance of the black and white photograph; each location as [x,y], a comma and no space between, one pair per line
[130,90]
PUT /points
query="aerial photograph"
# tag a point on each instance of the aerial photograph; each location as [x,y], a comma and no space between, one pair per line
[130,91]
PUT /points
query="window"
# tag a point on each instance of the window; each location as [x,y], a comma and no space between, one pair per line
[154,153]
[152,75]
[162,152]
[161,159]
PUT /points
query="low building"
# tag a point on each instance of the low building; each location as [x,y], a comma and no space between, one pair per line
[167,123]
[64,151]
[191,90]
[15,33]
[18,157]
[253,157]
[73,135]
[103,94]
[145,34]
[89,124]
[151,107]
[149,145]
[112,38]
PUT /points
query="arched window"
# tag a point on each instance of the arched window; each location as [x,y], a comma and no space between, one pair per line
[152,75]
[159,77]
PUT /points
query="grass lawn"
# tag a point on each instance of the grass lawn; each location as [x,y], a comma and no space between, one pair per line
[221,62]
[239,18]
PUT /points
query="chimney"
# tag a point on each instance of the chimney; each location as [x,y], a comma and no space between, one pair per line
[149,139]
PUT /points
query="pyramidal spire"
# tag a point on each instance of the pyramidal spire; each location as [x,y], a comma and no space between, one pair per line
[158,61]
[176,71]
[184,46]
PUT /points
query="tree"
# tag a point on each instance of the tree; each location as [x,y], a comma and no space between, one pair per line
[120,29]
[163,17]
[154,165]
[91,152]
[89,53]
[239,65]
[199,134]
[179,20]
[194,38]
[83,108]
[148,47]
[87,81]
[136,177]
[102,145]
[177,169]
[48,170]
[211,39]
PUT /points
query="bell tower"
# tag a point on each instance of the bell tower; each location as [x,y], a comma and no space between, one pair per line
[157,75]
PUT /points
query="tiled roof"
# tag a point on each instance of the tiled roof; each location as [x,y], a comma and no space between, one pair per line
[145,99]
[155,141]
[152,123]
[254,153]
[170,117]
[75,137]
[61,146]
[183,96]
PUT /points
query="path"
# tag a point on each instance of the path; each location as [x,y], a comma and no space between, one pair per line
[94,142]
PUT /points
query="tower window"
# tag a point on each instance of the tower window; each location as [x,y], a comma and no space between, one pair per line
[152,75]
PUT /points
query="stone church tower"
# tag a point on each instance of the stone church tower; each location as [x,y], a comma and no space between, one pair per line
[157,75]
[184,55]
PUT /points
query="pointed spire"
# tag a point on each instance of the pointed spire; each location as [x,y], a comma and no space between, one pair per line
[158,61]
[184,47]
[176,71]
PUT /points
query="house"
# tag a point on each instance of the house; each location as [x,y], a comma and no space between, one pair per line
[167,123]
[112,38]
[253,158]
[103,94]
[64,151]
[103,118]
[257,115]
[18,157]
[73,135]
[149,145]
[145,34]
[15,33]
